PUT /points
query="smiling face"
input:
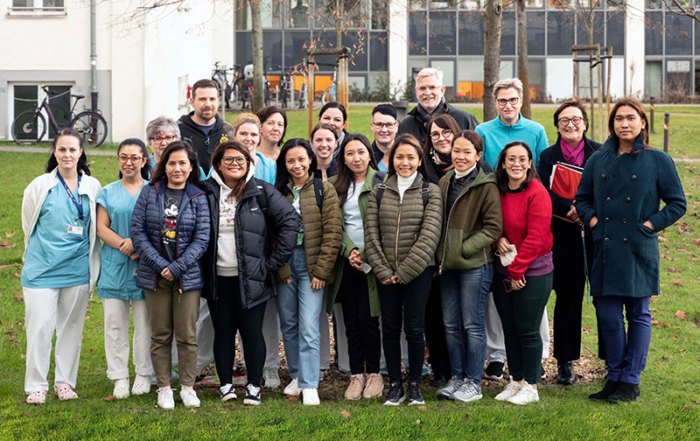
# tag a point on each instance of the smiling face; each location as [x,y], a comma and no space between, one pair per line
[178,169]
[628,124]
[131,160]
[298,162]
[248,134]
[273,128]
[205,103]
[159,142]
[508,104]
[324,144]
[334,117]
[384,128]
[517,163]
[67,153]
[464,154]
[441,138]
[406,160]
[233,166]
[569,131]
[356,157]
[430,92]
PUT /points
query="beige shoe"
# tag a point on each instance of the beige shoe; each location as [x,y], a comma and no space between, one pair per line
[374,387]
[354,390]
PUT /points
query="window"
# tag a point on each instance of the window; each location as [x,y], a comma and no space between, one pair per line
[443,35]
[654,33]
[380,14]
[535,33]
[508,34]
[598,29]
[678,35]
[616,34]
[560,33]
[270,14]
[297,13]
[295,45]
[37,7]
[28,97]
[378,51]
[471,33]
[417,33]
[357,42]
[272,50]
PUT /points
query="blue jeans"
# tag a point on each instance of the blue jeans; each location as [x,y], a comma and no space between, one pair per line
[626,352]
[464,294]
[299,307]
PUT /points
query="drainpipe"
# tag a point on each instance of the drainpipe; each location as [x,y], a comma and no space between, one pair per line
[93,54]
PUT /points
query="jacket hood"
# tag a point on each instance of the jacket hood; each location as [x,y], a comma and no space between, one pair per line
[187,121]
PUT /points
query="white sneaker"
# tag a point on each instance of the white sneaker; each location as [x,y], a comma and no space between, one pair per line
[165,399]
[511,389]
[189,397]
[228,392]
[121,388]
[311,397]
[526,395]
[142,385]
[293,388]
[271,378]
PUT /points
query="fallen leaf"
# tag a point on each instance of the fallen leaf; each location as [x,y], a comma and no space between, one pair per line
[12,338]
[92,349]
[662,239]
[22,356]
[672,269]
[466,415]
[687,406]
[109,398]
[16,275]
[653,309]
[10,234]
[677,283]
[422,408]
[697,241]
[18,297]
[653,299]
[293,397]
[345,414]
[665,256]
[681,351]
[417,421]
[675,337]
[680,315]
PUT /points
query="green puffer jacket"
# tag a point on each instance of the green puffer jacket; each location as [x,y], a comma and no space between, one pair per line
[323,231]
[401,237]
[474,222]
[346,246]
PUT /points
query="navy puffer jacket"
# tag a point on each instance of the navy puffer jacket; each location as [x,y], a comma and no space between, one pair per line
[192,232]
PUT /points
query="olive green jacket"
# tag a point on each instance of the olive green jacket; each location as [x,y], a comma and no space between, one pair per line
[472,225]
[401,236]
[323,230]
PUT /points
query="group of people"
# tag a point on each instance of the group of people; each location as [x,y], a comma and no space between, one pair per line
[440,230]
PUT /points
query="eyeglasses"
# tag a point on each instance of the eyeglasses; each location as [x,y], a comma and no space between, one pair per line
[445,134]
[229,160]
[133,158]
[383,126]
[159,139]
[576,120]
[513,160]
[503,101]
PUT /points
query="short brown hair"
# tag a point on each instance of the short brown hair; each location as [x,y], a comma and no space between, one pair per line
[204,84]
[570,103]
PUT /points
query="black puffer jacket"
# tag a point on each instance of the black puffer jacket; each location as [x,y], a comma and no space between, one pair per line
[203,144]
[260,252]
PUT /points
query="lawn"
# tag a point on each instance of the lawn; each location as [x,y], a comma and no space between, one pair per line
[667,409]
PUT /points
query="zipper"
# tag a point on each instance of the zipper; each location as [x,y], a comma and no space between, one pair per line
[449,216]
[398,226]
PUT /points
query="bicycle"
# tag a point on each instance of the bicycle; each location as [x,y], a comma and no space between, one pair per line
[220,77]
[30,126]
[330,92]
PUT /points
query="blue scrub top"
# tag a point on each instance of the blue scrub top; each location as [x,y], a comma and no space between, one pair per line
[55,258]
[265,168]
[118,272]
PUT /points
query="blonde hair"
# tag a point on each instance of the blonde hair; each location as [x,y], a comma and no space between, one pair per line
[427,72]
[245,118]
[508,83]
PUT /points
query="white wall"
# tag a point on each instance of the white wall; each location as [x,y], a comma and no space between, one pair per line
[634,49]
[560,74]
[398,43]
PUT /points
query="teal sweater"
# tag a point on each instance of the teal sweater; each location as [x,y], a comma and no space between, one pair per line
[496,134]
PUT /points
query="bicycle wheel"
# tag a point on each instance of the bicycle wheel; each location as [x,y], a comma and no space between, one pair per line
[91,126]
[328,95]
[28,128]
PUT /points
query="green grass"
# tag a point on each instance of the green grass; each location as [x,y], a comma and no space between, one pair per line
[667,409]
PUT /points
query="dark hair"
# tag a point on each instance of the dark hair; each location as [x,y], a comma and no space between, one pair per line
[444,121]
[637,106]
[218,156]
[159,173]
[385,109]
[413,142]
[345,175]
[502,176]
[333,105]
[476,141]
[204,84]
[82,160]
[146,169]
[571,103]
[266,112]
[322,126]
[282,174]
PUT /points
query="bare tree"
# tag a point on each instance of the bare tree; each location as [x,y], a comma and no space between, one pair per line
[682,7]
[522,56]
[257,50]
[493,14]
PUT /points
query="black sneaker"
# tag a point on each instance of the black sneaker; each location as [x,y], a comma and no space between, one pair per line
[252,395]
[494,371]
[414,394]
[609,389]
[395,395]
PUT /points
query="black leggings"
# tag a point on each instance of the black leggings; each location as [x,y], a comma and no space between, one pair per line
[229,318]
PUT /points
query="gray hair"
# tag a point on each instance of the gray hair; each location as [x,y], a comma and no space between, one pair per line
[427,72]
[162,124]
[508,83]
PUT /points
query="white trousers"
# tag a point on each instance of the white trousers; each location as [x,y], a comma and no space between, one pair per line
[495,342]
[117,338]
[49,310]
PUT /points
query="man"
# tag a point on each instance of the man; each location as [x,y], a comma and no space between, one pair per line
[509,126]
[430,92]
[384,127]
[203,127]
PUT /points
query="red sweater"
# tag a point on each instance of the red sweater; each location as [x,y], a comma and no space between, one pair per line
[527,219]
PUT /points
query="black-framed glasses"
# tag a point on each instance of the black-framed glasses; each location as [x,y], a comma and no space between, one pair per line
[445,134]
[576,120]
[503,101]
[133,158]
[229,160]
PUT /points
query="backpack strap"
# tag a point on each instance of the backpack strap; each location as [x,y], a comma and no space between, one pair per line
[318,192]
[425,192]
[262,200]
[380,194]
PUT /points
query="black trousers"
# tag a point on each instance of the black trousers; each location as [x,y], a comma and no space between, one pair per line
[228,319]
[405,303]
[361,328]
[438,357]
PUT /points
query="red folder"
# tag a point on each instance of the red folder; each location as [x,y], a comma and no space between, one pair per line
[565,179]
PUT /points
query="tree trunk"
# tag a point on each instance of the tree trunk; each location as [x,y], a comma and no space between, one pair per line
[522,57]
[493,14]
[258,68]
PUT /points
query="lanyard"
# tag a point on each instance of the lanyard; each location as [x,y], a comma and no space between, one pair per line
[77,204]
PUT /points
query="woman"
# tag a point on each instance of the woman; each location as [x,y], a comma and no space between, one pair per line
[246,130]
[300,293]
[61,265]
[170,232]
[473,221]
[335,115]
[240,263]
[273,126]
[324,142]
[160,132]
[117,283]
[521,288]
[402,230]
[353,288]
[618,197]
[572,148]
[442,130]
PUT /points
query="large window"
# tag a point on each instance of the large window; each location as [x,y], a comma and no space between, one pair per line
[28,97]
[535,33]
[37,7]
[443,35]
[654,33]
[417,33]
[560,32]
[679,39]
[471,33]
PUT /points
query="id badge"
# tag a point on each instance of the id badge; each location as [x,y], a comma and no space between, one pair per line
[75,229]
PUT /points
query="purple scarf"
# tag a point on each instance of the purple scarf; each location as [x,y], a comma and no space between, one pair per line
[572,155]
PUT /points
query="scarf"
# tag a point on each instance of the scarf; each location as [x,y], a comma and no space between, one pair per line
[573,155]
[425,117]
[442,162]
